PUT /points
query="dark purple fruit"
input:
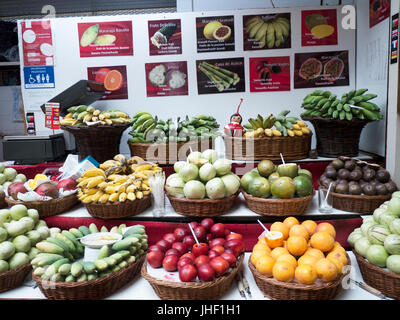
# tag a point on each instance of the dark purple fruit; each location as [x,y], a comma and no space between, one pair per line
[337,164]
[355,189]
[344,174]
[350,165]
[342,188]
[355,175]
[381,189]
[369,189]
[369,175]
[391,186]
[383,175]
[331,173]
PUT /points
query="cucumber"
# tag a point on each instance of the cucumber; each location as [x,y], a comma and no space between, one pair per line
[110,261]
[84,230]
[53,268]
[57,278]
[123,264]
[124,253]
[114,229]
[124,243]
[100,264]
[103,229]
[89,267]
[131,259]
[76,233]
[104,252]
[82,277]
[91,276]
[59,242]
[93,228]
[117,256]
[70,278]
[76,269]
[65,269]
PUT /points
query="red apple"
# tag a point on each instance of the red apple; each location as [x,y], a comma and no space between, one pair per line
[189,255]
[155,258]
[230,251]
[236,245]
[206,272]
[15,188]
[227,232]
[212,254]
[220,249]
[180,233]
[207,223]
[170,237]
[165,244]
[189,241]
[217,242]
[193,224]
[218,230]
[232,236]
[201,260]
[184,262]
[188,273]
[200,233]
[230,258]
[156,247]
[220,265]
[200,249]
[170,263]
[47,189]
[173,252]
[66,184]
[180,246]
[209,237]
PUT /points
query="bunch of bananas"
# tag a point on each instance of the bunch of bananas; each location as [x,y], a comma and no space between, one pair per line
[353,104]
[272,33]
[116,180]
[278,126]
[88,115]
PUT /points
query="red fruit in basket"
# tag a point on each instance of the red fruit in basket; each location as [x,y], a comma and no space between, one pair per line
[227,232]
[47,189]
[189,241]
[15,188]
[170,237]
[170,263]
[217,242]
[206,272]
[220,265]
[184,262]
[200,233]
[188,273]
[220,249]
[193,224]
[189,255]
[164,243]
[212,254]
[180,246]
[180,233]
[201,260]
[236,245]
[200,249]
[173,252]
[67,184]
[207,223]
[156,247]
[230,251]
[232,236]
[209,237]
[155,258]
[218,230]
[230,258]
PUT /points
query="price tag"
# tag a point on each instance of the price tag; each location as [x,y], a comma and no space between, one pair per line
[52,115]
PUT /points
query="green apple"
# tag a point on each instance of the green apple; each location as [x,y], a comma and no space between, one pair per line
[5,215]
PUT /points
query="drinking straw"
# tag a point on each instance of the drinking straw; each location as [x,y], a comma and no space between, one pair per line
[266,230]
[194,236]
[283,161]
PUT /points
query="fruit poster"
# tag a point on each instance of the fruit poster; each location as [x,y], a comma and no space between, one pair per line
[215,34]
[220,75]
[269,74]
[379,10]
[268,31]
[112,38]
[319,28]
[321,69]
[37,43]
[166,79]
[52,115]
[165,37]
[114,79]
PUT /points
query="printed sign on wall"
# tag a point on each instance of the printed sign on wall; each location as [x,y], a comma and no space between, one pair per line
[395,39]
[114,79]
[319,27]
[52,115]
[165,37]
[379,10]
[39,77]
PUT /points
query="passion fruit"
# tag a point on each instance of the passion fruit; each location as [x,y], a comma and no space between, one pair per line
[222,33]
[209,29]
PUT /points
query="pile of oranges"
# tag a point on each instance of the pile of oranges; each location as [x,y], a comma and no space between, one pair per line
[302,252]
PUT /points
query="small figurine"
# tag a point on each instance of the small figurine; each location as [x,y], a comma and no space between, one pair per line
[234,128]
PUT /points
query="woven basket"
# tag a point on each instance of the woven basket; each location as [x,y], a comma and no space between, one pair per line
[278,207]
[278,290]
[50,207]
[210,290]
[3,202]
[118,210]
[96,289]
[385,281]
[14,278]
[160,152]
[100,142]
[292,148]
[337,137]
[202,208]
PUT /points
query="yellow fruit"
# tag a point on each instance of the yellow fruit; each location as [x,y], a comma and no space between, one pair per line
[146,193]
[268,132]
[104,198]
[94,172]
[310,225]
[305,130]
[139,194]
[131,196]
[322,240]
[338,246]
[210,28]
[299,230]
[122,197]
[90,192]
[305,274]
[262,246]
[281,227]
[283,271]
[326,270]
[301,123]
[87,199]
[318,254]
[290,222]
[339,254]
[307,259]
[95,181]
[296,127]
[275,253]
[265,265]
[296,245]
[298,132]
[113,197]
[290,133]
[288,258]
[256,255]
[274,239]
[276,133]
[326,227]
[337,262]
[97,196]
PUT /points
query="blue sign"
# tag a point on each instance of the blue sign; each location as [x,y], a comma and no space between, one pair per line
[39,77]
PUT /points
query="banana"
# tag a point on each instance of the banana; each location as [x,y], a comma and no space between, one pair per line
[94,172]
[131,196]
[276,133]
[104,198]
[113,197]
[122,197]
[96,112]
[278,34]
[87,199]
[96,197]
[144,167]
[284,21]
[290,133]
[268,132]
[139,194]
[253,20]
[146,124]
[89,192]
[108,122]
[112,170]
[95,181]
[261,32]
[270,36]
[298,132]
[253,29]
[284,28]
[109,164]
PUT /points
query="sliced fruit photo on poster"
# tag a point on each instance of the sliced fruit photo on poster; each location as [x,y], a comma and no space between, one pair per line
[220,75]
[379,10]
[321,69]
[112,38]
[114,79]
[215,34]
[166,79]
[268,31]
[319,27]
[269,74]
[165,37]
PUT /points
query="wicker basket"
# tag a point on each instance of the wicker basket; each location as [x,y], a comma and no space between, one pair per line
[118,210]
[14,278]
[100,142]
[50,207]
[278,207]
[385,281]
[337,137]
[3,203]
[96,289]
[292,148]
[278,290]
[203,207]
[210,290]
[160,152]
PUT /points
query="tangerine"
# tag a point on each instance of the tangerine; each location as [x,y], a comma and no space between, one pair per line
[288,258]
[274,239]
[326,227]
[262,246]
[310,225]
[307,259]
[283,271]
[340,255]
[281,227]
[316,253]
[326,270]
[275,253]
[338,246]
[290,222]
[264,265]
[337,262]
[322,240]
[256,255]
[305,274]
[296,245]
[299,230]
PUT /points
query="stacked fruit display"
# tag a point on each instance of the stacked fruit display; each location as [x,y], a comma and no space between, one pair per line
[352,105]
[87,115]
[116,180]
[378,238]
[284,181]
[203,175]
[278,126]
[9,176]
[355,177]
[213,256]
[306,253]
[146,128]
[59,257]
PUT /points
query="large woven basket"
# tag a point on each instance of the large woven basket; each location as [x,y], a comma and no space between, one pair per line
[385,281]
[96,289]
[100,142]
[202,208]
[14,278]
[210,290]
[169,153]
[118,209]
[292,148]
[3,202]
[337,137]
[49,207]
[278,290]
[278,207]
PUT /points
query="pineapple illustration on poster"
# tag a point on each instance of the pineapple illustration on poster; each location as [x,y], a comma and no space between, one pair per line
[165,37]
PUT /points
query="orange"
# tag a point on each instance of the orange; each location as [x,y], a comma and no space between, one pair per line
[326,270]
[113,80]
[290,222]
[338,246]
[296,245]
[262,246]
[307,259]
[322,240]
[274,239]
[275,253]
[283,271]
[264,265]
[340,255]
[256,255]
[288,258]
[326,227]
[305,274]
[299,230]
[337,262]
[281,227]
[310,225]
[318,254]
